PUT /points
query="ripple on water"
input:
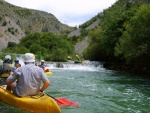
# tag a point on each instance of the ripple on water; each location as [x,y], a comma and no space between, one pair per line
[99,92]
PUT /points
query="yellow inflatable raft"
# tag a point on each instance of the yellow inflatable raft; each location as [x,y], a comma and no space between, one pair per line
[48,73]
[37,104]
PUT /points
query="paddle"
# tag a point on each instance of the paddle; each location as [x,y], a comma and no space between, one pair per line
[78,57]
[63,101]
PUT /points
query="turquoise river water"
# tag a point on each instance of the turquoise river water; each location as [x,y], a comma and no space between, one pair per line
[97,90]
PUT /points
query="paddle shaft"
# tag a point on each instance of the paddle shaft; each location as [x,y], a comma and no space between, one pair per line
[53,97]
[50,96]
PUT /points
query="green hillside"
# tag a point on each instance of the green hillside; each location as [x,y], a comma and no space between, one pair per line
[47,46]
[122,38]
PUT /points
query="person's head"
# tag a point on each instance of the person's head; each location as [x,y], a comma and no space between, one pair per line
[7,59]
[16,61]
[42,61]
[29,58]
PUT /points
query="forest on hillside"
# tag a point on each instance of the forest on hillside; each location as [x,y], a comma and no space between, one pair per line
[123,37]
[47,46]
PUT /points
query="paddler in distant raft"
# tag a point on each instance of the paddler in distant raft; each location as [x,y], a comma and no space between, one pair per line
[80,60]
[17,64]
[43,66]
[7,68]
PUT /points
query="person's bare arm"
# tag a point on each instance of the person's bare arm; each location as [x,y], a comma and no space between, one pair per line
[8,85]
[45,85]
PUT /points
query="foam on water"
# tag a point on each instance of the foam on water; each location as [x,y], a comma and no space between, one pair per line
[86,66]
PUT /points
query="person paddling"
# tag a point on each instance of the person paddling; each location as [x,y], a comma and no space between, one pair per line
[43,66]
[17,64]
[28,78]
[7,68]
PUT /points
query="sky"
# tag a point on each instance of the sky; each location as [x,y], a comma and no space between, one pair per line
[70,12]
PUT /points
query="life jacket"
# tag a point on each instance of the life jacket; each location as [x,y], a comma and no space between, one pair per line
[17,65]
[6,69]
[46,69]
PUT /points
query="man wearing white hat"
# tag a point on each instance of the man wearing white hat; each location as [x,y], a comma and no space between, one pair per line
[28,78]
[42,65]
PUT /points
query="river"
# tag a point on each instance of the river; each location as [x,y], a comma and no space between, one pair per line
[96,89]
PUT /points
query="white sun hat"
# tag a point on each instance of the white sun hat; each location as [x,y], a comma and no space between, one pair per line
[7,57]
[42,61]
[29,57]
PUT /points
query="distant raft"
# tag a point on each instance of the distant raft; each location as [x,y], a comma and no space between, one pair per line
[39,103]
[77,62]
[49,73]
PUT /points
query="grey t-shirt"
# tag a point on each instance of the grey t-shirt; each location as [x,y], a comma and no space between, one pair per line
[29,79]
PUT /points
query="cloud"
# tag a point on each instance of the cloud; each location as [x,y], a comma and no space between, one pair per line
[70,12]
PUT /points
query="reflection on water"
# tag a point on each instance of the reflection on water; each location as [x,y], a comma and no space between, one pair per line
[96,89]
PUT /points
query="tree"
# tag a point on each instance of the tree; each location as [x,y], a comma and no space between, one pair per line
[59,55]
[34,48]
[11,44]
[134,45]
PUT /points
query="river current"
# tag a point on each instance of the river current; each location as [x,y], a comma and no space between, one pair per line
[96,89]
